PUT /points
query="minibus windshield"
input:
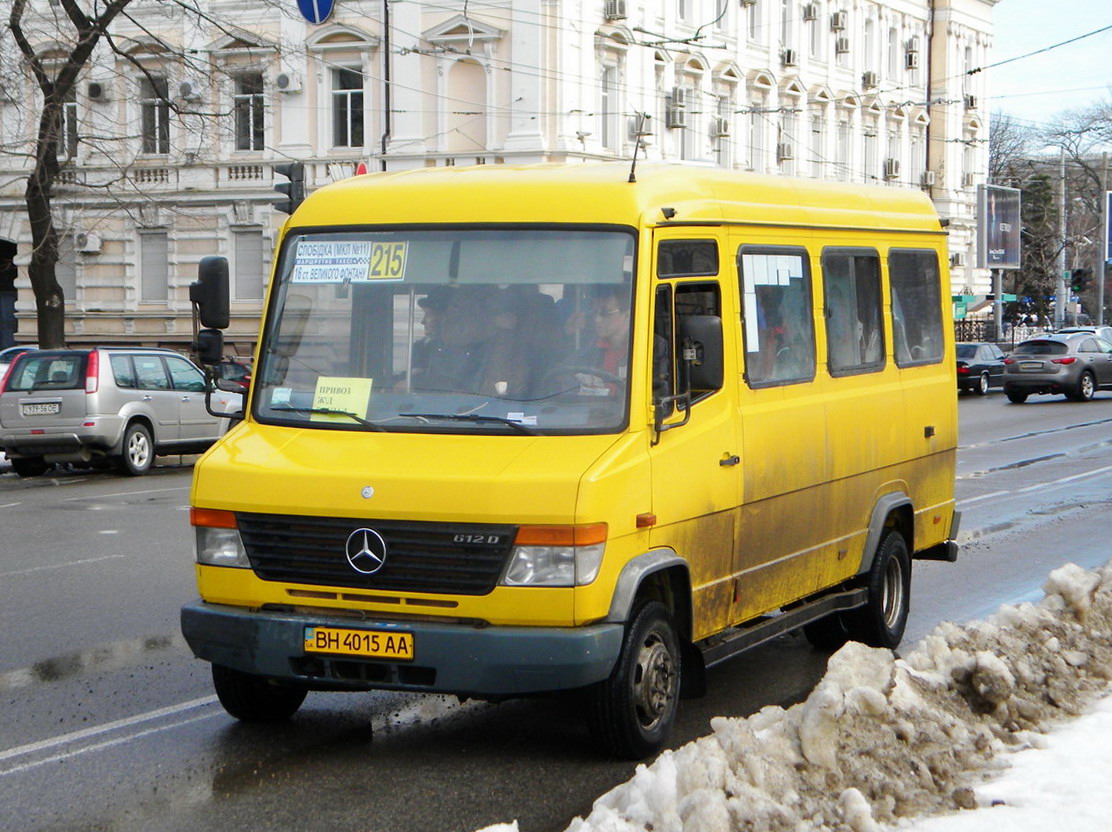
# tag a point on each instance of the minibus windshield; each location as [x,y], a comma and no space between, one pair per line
[510,330]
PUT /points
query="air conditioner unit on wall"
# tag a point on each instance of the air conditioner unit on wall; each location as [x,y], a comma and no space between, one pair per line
[789,57]
[927,180]
[957,258]
[720,127]
[96,91]
[287,82]
[968,180]
[839,21]
[615,10]
[811,11]
[911,59]
[891,168]
[676,117]
[784,152]
[971,102]
[841,46]
[189,89]
[87,242]
[869,80]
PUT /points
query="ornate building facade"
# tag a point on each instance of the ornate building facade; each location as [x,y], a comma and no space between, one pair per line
[168,143]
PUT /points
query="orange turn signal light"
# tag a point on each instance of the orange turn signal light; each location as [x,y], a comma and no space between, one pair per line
[585,535]
[212,517]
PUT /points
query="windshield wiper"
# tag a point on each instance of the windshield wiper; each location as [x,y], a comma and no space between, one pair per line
[474,417]
[328,411]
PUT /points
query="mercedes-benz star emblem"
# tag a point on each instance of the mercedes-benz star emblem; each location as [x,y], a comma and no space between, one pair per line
[366,551]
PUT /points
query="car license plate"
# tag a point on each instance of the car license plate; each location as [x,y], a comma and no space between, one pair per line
[40,408]
[372,644]
[1030,365]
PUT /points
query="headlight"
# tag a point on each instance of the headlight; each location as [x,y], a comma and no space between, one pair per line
[572,556]
[217,539]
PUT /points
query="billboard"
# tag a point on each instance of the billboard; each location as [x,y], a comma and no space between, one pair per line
[1107,227]
[998,224]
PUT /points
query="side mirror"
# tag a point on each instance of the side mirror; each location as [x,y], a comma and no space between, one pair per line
[701,342]
[210,292]
[210,347]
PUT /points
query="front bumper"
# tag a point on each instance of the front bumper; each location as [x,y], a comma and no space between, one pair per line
[464,659]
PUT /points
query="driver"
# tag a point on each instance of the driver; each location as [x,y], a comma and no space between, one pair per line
[609,349]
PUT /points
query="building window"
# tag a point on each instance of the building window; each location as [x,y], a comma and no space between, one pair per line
[609,108]
[842,151]
[248,248]
[895,59]
[154,266]
[723,127]
[248,106]
[67,130]
[154,103]
[347,108]
[818,123]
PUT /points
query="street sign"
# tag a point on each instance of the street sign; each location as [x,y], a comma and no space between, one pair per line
[316,11]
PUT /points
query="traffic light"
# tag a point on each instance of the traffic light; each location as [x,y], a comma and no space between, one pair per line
[1081,280]
[293,192]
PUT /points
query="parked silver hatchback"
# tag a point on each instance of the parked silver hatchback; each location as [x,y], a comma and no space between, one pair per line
[120,405]
[1075,365]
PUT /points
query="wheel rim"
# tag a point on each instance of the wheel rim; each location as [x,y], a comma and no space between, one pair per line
[138,449]
[1086,386]
[984,382]
[893,593]
[654,681]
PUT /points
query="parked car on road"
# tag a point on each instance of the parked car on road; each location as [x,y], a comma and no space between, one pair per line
[8,354]
[980,367]
[1075,365]
[1102,332]
[108,404]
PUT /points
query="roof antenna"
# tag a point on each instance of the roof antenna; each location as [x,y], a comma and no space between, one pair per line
[641,131]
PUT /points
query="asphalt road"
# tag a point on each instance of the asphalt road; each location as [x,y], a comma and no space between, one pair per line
[106,722]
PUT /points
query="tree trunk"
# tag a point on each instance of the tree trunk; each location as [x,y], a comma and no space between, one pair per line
[49,302]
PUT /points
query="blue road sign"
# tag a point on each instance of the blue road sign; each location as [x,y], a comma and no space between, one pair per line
[316,11]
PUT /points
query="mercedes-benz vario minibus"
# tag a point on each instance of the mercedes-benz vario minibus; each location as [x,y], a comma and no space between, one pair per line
[521,430]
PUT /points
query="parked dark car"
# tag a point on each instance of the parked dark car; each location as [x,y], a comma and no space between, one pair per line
[980,367]
[1074,365]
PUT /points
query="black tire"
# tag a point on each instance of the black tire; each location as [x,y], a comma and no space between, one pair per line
[881,622]
[30,466]
[138,450]
[982,385]
[1015,396]
[1086,388]
[251,698]
[631,714]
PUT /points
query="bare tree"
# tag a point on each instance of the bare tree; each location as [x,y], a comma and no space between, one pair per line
[1010,147]
[58,45]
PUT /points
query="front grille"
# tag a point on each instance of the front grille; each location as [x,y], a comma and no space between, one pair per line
[442,558]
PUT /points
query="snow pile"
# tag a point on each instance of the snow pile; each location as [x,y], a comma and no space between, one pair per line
[882,739]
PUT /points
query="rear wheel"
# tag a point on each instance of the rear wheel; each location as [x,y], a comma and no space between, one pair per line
[982,385]
[881,622]
[138,450]
[1015,396]
[251,698]
[631,714]
[1086,388]
[30,466]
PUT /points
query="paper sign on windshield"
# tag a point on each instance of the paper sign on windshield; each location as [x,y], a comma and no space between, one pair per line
[348,261]
[349,395]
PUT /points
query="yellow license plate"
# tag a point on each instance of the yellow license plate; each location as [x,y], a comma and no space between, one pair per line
[372,644]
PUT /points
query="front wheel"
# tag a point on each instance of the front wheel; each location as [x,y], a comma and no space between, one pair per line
[251,698]
[881,622]
[632,713]
[1015,396]
[138,450]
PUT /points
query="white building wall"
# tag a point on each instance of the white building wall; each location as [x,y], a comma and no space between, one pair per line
[529,91]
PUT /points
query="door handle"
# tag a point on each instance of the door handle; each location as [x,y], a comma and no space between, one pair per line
[185,398]
[729,461]
[147,397]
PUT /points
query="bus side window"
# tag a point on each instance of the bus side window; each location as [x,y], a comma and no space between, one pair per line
[851,289]
[663,354]
[916,306]
[776,315]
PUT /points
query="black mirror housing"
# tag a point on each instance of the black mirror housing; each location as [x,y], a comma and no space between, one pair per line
[210,292]
[701,342]
[210,346]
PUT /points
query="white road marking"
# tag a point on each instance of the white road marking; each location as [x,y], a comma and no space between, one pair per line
[58,566]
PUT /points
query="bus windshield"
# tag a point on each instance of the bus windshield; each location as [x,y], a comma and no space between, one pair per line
[512,330]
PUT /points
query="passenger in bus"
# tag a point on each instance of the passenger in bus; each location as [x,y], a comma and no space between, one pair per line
[462,329]
[523,342]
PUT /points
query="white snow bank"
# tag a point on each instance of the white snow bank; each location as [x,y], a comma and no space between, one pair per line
[882,740]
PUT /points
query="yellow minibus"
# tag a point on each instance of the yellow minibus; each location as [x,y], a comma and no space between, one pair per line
[520,430]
